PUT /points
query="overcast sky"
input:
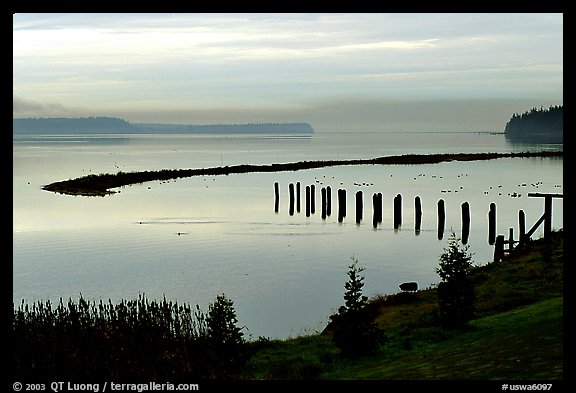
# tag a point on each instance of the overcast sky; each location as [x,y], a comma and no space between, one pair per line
[339,72]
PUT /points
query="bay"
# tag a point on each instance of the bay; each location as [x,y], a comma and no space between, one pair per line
[194,238]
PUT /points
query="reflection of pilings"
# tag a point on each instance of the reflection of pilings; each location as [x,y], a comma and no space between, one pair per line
[522,227]
[323,197]
[276,197]
[377,209]
[359,206]
[341,204]
[397,211]
[417,214]
[307,201]
[298,197]
[328,200]
[465,222]
[312,199]
[441,218]
[492,224]
[291,192]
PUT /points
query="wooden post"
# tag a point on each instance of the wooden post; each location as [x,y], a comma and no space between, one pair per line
[291,193]
[377,209]
[359,207]
[492,224]
[511,240]
[546,217]
[328,200]
[307,201]
[465,222]
[341,204]
[323,197]
[499,248]
[276,197]
[417,214]
[441,218]
[298,197]
[397,211]
[312,199]
[522,227]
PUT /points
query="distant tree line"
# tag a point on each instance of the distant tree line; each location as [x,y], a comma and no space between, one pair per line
[546,124]
[111,125]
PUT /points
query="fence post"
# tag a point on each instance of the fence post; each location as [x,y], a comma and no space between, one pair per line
[499,248]
[511,240]
[522,227]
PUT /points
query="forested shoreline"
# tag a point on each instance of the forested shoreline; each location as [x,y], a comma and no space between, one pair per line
[546,125]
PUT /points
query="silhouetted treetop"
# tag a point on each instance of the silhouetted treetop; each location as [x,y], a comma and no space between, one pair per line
[541,123]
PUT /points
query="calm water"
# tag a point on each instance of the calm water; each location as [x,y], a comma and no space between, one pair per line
[194,238]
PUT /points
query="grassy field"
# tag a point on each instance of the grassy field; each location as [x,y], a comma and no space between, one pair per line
[517,335]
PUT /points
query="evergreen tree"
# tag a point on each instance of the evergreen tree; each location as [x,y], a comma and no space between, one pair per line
[456,294]
[354,329]
[225,338]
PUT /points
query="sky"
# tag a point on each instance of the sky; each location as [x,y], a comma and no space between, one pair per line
[341,72]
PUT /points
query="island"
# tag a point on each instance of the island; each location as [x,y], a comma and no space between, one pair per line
[537,126]
[113,125]
[101,185]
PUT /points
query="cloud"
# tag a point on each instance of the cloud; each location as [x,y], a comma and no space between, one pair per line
[24,107]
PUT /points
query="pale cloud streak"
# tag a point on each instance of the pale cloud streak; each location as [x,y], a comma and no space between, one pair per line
[245,62]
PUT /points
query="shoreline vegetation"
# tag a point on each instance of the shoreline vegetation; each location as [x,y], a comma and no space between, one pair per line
[101,185]
[515,334]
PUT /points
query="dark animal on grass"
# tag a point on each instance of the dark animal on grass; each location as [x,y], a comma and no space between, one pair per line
[409,286]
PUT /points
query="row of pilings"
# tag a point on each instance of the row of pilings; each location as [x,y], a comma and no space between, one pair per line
[377,204]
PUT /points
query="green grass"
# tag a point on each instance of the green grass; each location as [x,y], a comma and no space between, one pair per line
[517,333]
[520,344]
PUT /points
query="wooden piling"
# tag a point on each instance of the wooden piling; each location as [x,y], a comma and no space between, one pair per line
[377,209]
[291,194]
[307,201]
[298,197]
[312,199]
[276,197]
[328,201]
[417,214]
[323,201]
[441,218]
[341,204]
[397,211]
[465,222]
[359,206]
[492,224]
